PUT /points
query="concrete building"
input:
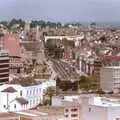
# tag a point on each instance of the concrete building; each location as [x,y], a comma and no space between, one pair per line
[104,108]
[72,110]
[89,107]
[4,66]
[75,106]
[110,79]
[11,44]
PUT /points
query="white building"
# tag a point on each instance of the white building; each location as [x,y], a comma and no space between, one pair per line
[89,107]
[75,106]
[110,79]
[24,96]
[104,109]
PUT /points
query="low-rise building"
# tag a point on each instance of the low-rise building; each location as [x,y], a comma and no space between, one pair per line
[23,94]
[75,106]
[89,107]
[104,109]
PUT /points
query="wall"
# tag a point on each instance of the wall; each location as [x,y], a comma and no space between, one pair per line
[96,113]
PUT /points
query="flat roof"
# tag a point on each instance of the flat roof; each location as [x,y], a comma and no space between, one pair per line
[112,67]
[49,110]
[105,102]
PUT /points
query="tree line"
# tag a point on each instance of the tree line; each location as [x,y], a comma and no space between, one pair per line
[41,23]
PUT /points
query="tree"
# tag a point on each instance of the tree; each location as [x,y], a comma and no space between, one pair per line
[93,24]
[58,25]
[50,92]
[16,21]
[89,83]
[54,51]
[84,83]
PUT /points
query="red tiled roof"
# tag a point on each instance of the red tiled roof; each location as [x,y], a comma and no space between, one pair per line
[11,43]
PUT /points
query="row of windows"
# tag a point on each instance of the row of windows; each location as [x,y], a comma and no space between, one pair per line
[73,110]
[4,61]
[14,59]
[3,66]
[72,115]
[34,101]
[31,102]
[35,91]
[5,70]
[4,75]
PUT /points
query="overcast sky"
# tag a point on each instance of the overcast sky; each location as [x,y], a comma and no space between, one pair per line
[61,10]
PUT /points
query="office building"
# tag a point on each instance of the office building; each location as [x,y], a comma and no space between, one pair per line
[110,79]
[4,67]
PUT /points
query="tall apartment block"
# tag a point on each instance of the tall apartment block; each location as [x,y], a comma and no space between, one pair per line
[4,67]
[110,79]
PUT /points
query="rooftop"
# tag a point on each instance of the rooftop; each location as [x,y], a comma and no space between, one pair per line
[22,101]
[112,67]
[9,90]
[105,102]
[51,110]
[26,81]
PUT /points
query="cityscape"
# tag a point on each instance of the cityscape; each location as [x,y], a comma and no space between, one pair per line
[59,68]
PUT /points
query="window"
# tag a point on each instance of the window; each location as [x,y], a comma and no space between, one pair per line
[73,110]
[89,109]
[30,102]
[21,93]
[74,115]
[40,90]
[66,115]
[27,92]
[66,110]
[30,92]
[14,105]
[34,92]
[4,106]
[33,101]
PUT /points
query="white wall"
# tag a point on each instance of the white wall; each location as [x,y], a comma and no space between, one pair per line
[96,113]
[34,95]
[113,113]
[103,113]
[9,97]
[12,106]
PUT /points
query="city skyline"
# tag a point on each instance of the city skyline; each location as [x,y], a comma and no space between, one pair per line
[60,10]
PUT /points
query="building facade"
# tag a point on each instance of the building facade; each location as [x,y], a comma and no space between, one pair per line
[110,79]
[16,97]
[4,67]
[11,44]
[103,108]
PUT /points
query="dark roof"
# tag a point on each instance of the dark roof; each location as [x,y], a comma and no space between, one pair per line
[10,90]
[28,81]
[21,100]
